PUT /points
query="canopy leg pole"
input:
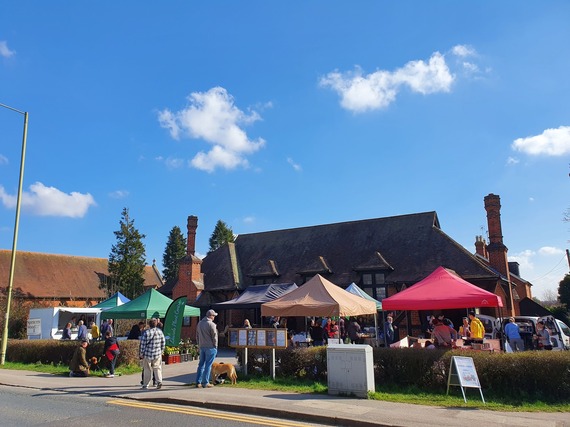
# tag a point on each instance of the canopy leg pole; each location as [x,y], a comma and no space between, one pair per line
[376,328]
[384,328]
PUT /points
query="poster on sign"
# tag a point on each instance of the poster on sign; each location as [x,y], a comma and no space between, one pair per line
[261,342]
[462,373]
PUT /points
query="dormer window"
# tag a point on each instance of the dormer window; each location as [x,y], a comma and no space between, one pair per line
[373,283]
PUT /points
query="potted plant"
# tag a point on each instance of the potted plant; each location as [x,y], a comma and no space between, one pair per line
[193,352]
[171,355]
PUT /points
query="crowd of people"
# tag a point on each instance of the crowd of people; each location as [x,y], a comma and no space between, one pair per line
[441,331]
[346,329]
[151,347]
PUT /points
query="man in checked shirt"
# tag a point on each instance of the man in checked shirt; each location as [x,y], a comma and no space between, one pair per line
[150,352]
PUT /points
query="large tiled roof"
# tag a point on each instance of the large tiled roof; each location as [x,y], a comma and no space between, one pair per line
[407,248]
[39,275]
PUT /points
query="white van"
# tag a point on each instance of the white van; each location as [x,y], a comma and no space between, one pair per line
[559,331]
[564,333]
[46,323]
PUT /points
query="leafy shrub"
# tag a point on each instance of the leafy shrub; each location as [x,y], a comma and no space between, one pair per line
[60,352]
[304,363]
[529,375]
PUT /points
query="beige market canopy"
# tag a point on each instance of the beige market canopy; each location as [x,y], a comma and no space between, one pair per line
[318,297]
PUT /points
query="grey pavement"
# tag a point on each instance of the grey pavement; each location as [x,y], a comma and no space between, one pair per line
[332,410]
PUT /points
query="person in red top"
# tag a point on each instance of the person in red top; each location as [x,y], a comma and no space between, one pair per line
[111,350]
[330,330]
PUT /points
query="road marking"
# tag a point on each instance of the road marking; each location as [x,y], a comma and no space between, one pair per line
[204,413]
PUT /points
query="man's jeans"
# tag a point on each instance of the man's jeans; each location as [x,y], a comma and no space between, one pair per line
[517,344]
[207,356]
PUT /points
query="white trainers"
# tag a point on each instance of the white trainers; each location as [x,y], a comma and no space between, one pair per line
[110,376]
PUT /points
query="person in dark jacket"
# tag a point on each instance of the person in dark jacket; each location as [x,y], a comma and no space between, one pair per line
[354,332]
[111,351]
[316,333]
[136,331]
[78,367]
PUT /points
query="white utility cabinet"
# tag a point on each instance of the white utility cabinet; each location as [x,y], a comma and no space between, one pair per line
[350,369]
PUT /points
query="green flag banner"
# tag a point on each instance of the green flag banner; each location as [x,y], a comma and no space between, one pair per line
[173,321]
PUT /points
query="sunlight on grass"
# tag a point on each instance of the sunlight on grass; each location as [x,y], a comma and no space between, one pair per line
[410,396]
[387,394]
[63,369]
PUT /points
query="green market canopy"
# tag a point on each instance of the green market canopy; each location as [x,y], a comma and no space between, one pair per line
[112,302]
[151,304]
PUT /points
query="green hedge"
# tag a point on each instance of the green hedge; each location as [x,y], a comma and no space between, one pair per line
[60,352]
[529,375]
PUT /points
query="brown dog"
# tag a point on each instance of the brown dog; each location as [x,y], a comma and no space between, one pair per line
[224,368]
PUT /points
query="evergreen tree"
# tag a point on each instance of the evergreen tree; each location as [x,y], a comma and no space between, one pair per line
[175,250]
[564,291]
[127,259]
[222,234]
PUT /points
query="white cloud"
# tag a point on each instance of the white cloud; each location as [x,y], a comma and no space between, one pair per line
[463,50]
[5,51]
[49,201]
[119,194]
[294,165]
[550,250]
[360,92]
[3,160]
[552,142]
[249,219]
[172,162]
[512,161]
[470,67]
[531,199]
[213,117]
[524,259]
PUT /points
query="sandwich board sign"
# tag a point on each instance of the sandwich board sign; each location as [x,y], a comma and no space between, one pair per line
[462,373]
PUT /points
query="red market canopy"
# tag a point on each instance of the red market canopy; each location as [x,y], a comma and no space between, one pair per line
[442,289]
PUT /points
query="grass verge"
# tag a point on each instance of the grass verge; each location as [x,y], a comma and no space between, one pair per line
[64,369]
[409,395]
[412,396]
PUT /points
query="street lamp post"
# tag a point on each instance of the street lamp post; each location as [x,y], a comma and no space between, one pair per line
[15,240]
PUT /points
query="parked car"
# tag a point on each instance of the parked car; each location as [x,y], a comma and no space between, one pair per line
[559,331]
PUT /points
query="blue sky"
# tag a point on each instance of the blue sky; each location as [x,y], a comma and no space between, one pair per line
[273,115]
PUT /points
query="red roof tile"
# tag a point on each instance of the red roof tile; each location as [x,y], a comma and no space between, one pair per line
[40,275]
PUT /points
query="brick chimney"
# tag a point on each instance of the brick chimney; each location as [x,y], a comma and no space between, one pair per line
[190,278]
[496,249]
[480,247]
[192,226]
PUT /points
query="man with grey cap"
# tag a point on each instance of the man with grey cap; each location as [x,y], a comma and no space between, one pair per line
[207,338]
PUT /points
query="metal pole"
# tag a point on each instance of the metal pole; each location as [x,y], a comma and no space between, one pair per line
[15,240]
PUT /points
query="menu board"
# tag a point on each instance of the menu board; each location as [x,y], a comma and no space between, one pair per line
[270,337]
[233,338]
[242,340]
[251,337]
[271,340]
[261,342]
[281,338]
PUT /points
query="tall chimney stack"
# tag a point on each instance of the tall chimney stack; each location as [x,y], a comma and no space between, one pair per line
[192,226]
[496,249]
